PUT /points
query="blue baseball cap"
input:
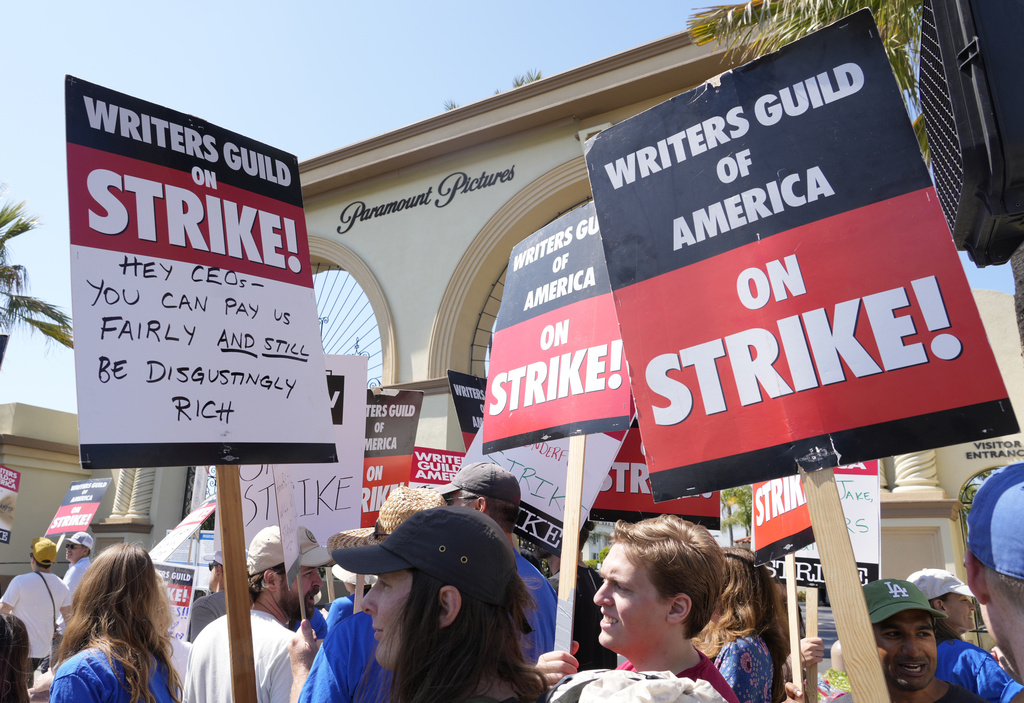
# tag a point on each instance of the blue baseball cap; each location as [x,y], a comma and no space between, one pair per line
[996,522]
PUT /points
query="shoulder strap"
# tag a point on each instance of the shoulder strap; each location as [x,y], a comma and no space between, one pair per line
[52,604]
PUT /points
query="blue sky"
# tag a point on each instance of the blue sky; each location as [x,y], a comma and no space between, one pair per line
[308,78]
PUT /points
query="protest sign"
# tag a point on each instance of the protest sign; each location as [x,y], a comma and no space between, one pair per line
[556,365]
[626,493]
[542,471]
[196,335]
[434,467]
[9,482]
[782,524]
[392,418]
[180,582]
[165,548]
[468,395]
[79,506]
[326,496]
[783,273]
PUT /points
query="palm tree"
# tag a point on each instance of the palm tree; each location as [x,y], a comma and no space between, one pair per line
[517,82]
[18,310]
[738,503]
[761,26]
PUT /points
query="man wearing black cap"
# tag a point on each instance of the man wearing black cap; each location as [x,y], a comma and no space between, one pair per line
[904,627]
[492,490]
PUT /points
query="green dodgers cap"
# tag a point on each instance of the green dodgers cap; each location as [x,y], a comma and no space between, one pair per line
[886,597]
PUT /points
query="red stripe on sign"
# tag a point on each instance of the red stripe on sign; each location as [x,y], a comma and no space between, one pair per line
[857,320]
[125,205]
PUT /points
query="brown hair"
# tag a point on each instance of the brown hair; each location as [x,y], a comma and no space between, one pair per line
[121,608]
[750,607]
[679,557]
[14,667]
[483,641]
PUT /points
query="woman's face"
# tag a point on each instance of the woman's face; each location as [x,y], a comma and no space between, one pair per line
[385,603]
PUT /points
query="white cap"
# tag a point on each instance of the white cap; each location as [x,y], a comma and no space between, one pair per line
[266,552]
[935,583]
[82,538]
[348,577]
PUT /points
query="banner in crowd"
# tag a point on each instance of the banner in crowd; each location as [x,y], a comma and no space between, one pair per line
[79,506]
[626,493]
[782,524]
[787,290]
[468,395]
[9,482]
[180,582]
[326,496]
[556,366]
[196,335]
[542,470]
[166,547]
[434,467]
[392,418]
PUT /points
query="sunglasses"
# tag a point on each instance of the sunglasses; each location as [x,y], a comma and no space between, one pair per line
[213,565]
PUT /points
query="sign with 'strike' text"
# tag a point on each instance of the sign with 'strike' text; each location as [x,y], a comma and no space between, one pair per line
[786,286]
[196,336]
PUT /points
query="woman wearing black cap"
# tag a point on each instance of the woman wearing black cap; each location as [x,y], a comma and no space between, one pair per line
[448,610]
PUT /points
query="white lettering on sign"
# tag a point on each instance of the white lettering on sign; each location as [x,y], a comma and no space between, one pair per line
[777,497]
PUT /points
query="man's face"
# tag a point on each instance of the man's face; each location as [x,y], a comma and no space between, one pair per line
[385,603]
[289,600]
[74,552]
[959,610]
[633,613]
[906,646]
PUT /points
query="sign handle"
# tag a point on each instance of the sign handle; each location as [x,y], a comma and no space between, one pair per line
[357,602]
[811,694]
[329,582]
[793,609]
[570,543]
[236,584]
[844,589]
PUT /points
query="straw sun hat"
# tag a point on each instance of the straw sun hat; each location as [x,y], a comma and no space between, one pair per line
[401,503]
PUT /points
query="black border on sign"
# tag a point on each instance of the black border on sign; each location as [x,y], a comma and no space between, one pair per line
[114,456]
[776,550]
[571,429]
[990,419]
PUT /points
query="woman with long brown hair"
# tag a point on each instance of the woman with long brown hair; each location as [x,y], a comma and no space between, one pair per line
[448,610]
[15,673]
[747,637]
[116,645]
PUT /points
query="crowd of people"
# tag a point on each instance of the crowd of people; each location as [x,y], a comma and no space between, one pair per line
[456,614]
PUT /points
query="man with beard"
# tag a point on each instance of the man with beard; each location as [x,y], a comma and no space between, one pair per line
[275,610]
[904,627]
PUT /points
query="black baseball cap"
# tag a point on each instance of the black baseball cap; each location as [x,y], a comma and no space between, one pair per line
[484,478]
[459,546]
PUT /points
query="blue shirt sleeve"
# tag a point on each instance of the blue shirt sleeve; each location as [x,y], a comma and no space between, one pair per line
[341,609]
[346,664]
[542,619]
[973,668]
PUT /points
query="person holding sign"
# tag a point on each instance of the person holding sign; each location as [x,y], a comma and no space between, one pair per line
[275,609]
[448,610]
[116,646]
[747,635]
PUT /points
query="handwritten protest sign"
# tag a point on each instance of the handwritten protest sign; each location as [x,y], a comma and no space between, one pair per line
[392,418]
[541,469]
[9,482]
[556,365]
[326,496]
[196,340]
[180,582]
[782,524]
[783,273]
[626,493]
[79,506]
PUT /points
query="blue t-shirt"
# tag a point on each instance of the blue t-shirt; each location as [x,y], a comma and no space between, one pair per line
[747,667]
[345,669]
[973,668]
[542,620]
[318,622]
[341,609]
[87,677]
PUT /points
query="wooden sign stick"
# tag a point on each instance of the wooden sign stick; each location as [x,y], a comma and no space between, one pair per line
[793,610]
[330,586]
[811,694]
[236,584]
[570,543]
[852,623]
[357,601]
